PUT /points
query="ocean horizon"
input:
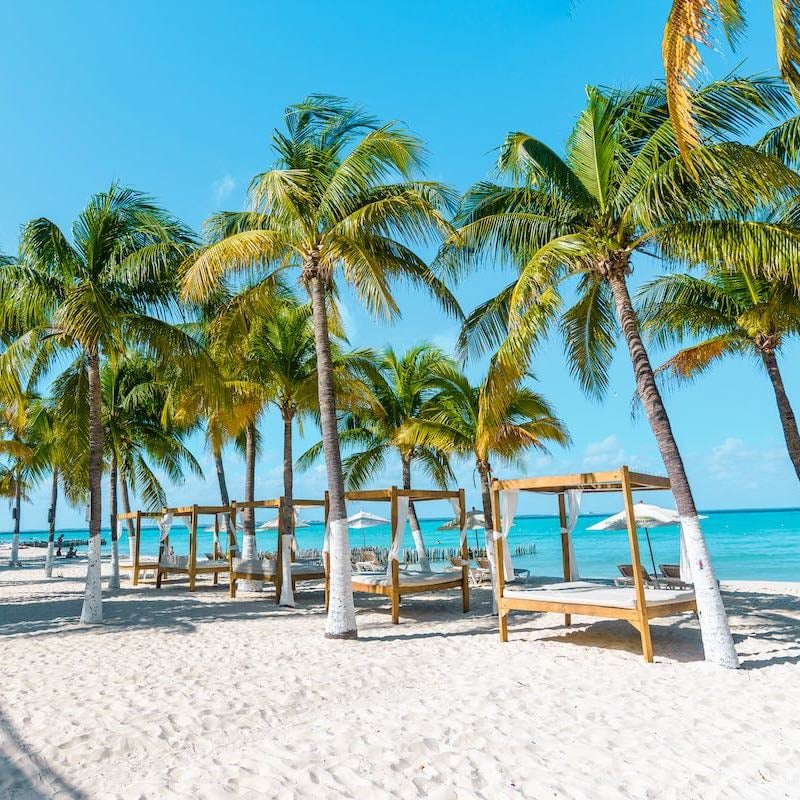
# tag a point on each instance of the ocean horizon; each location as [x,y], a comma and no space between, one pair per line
[745,544]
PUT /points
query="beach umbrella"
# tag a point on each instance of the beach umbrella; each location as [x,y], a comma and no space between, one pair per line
[474,521]
[272,524]
[362,520]
[647,516]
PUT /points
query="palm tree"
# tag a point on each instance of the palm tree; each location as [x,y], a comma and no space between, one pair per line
[399,389]
[96,295]
[622,189]
[137,440]
[732,313]
[24,442]
[456,422]
[342,200]
[689,26]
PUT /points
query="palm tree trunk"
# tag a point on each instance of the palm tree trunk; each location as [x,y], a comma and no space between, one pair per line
[716,634]
[51,529]
[249,548]
[14,561]
[486,499]
[224,497]
[92,611]
[341,621]
[126,507]
[113,579]
[287,523]
[788,421]
[416,531]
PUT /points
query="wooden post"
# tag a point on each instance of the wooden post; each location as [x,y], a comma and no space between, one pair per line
[193,548]
[462,518]
[636,564]
[138,528]
[394,592]
[562,517]
[499,565]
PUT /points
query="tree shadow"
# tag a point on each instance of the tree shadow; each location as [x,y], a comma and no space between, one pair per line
[26,776]
[765,626]
[134,609]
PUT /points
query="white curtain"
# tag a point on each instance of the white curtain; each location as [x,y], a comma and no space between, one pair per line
[216,548]
[399,531]
[574,497]
[508,510]
[686,570]
[164,526]
[456,503]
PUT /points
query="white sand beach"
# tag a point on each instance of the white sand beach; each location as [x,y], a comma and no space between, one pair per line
[195,695]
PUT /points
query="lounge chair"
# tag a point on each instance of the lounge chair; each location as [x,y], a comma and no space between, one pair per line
[672,576]
[369,562]
[626,571]
[476,575]
[520,575]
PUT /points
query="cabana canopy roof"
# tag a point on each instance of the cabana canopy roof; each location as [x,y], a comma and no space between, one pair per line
[609,481]
[385,495]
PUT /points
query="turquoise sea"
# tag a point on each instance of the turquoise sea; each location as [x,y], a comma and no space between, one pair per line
[745,544]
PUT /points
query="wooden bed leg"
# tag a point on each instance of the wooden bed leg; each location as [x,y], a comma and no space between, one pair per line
[159,573]
[647,642]
[233,587]
[191,581]
[503,620]
[568,620]
[216,578]
[465,593]
[395,609]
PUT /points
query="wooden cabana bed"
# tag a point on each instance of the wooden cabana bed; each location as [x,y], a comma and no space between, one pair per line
[190,565]
[393,583]
[138,565]
[635,604]
[263,570]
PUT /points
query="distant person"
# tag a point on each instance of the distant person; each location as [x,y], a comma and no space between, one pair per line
[59,542]
[72,552]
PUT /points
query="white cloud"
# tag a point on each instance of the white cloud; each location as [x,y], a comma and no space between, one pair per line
[735,460]
[607,452]
[222,188]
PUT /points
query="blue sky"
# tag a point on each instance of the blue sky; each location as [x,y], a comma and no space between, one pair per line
[180,99]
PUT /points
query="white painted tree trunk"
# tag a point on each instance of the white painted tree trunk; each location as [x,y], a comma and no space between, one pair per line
[14,560]
[131,546]
[717,640]
[250,551]
[49,559]
[92,612]
[341,609]
[113,579]
[287,595]
[419,545]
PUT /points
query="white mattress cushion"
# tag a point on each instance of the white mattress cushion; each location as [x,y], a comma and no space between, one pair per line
[406,578]
[254,566]
[598,595]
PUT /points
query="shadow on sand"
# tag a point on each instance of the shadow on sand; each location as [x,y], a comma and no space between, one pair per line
[24,775]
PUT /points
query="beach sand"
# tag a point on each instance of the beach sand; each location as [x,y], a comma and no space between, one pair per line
[183,695]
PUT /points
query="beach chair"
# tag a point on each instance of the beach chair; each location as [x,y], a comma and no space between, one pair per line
[369,562]
[520,575]
[672,576]
[626,571]
[476,576]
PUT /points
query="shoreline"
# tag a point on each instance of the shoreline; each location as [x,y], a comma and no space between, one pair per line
[194,694]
